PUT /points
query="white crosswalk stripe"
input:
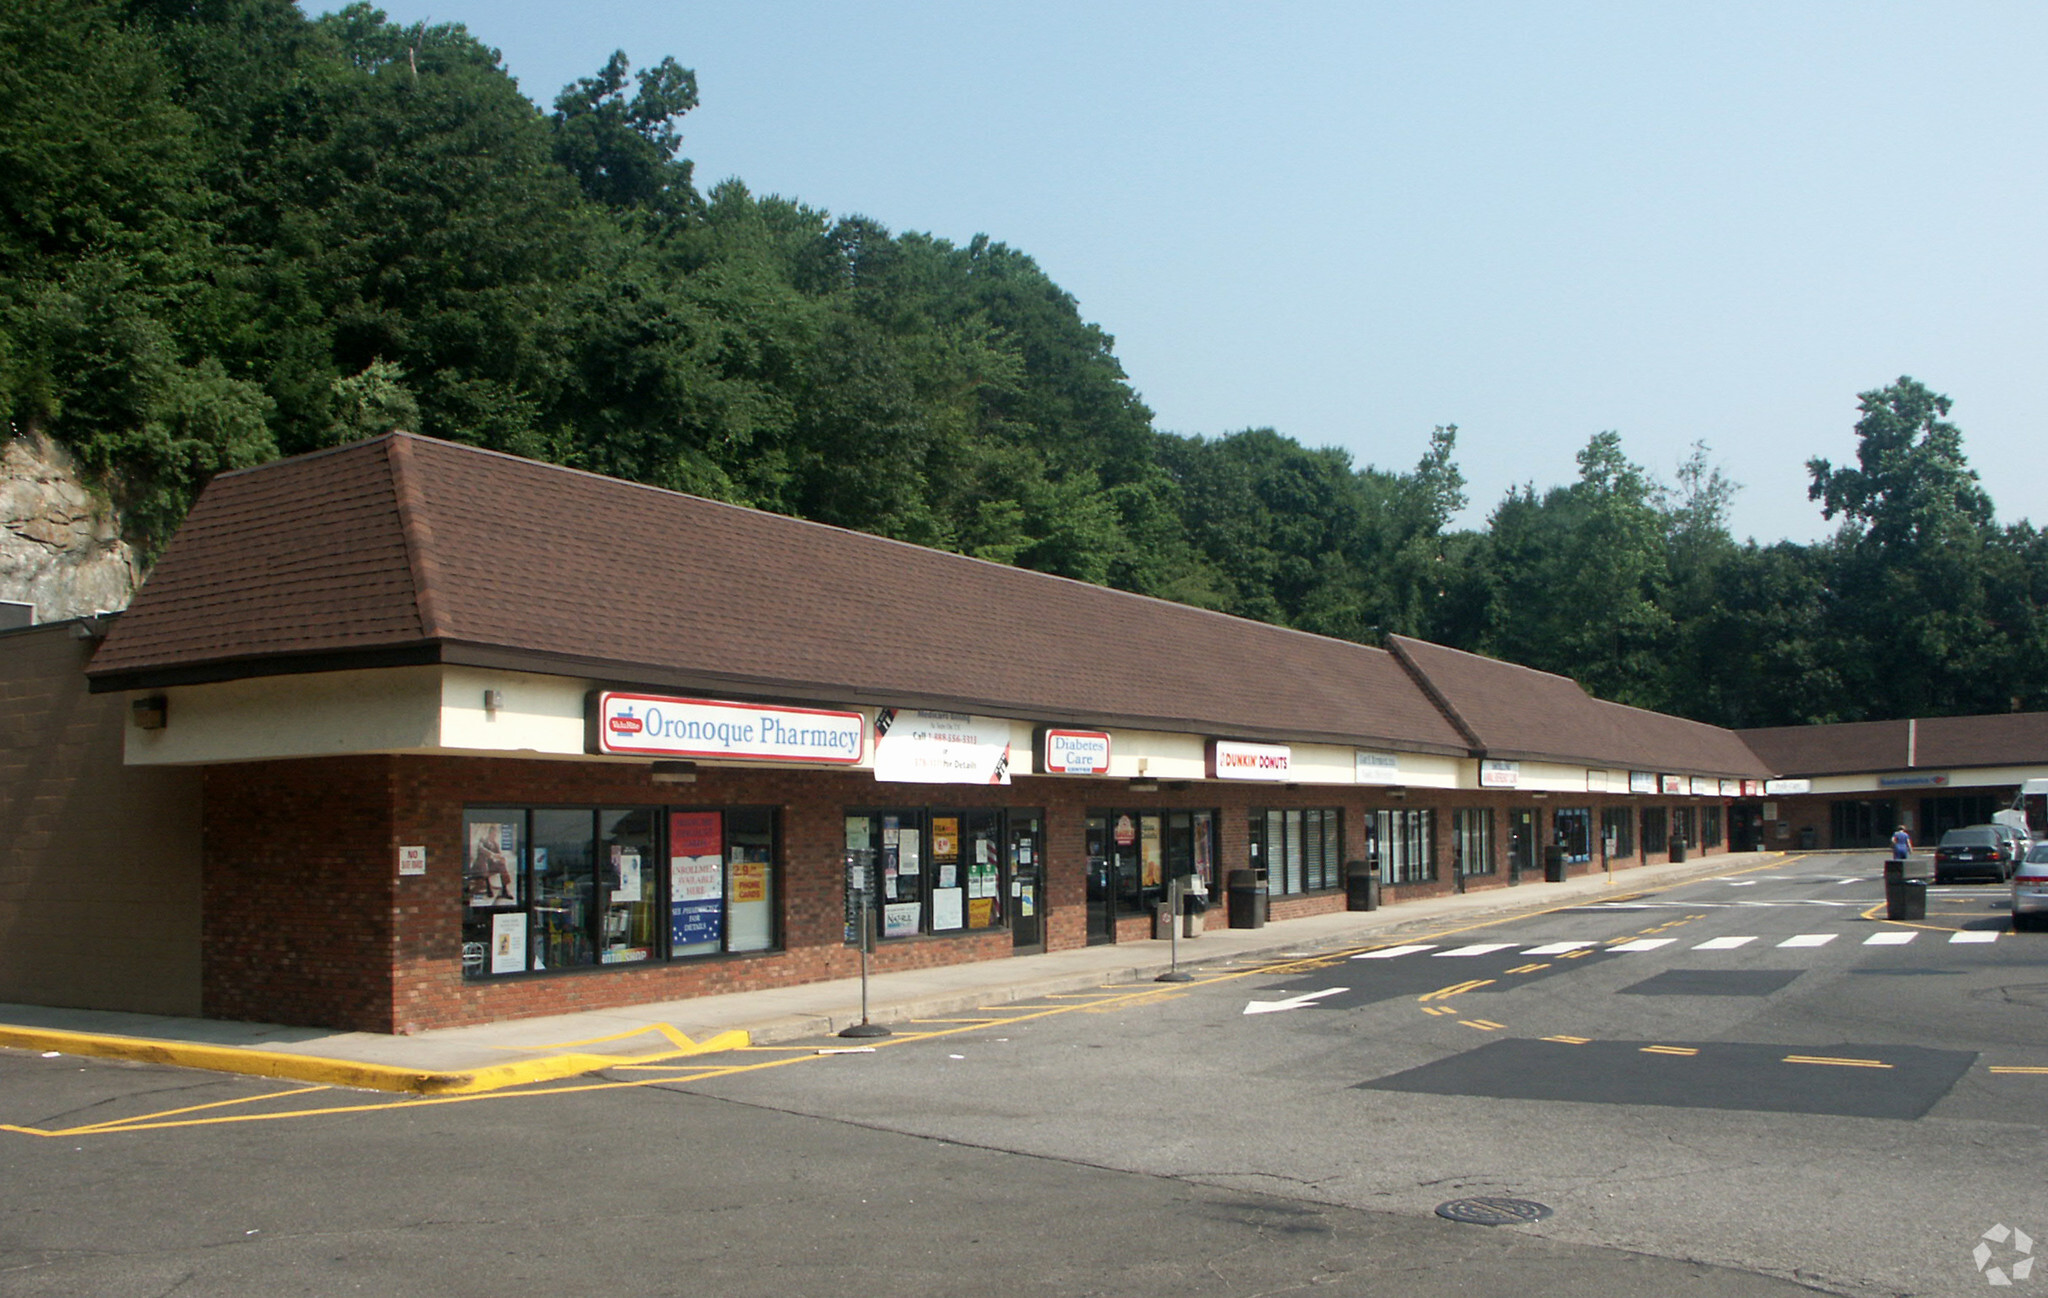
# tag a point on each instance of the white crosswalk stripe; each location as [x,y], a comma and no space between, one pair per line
[1885,937]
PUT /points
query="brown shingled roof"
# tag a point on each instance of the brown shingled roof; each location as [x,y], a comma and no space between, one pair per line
[1520,714]
[1851,748]
[407,549]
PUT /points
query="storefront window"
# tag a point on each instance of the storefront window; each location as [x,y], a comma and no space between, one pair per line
[1682,826]
[1302,850]
[1654,838]
[1407,845]
[1617,825]
[1710,826]
[1472,839]
[1574,833]
[562,888]
[933,871]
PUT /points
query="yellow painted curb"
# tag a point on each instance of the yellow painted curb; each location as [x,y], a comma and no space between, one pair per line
[344,1072]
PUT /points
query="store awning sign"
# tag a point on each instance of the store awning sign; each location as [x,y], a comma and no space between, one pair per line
[1494,774]
[1782,788]
[651,725]
[1375,768]
[1231,760]
[913,747]
[1642,782]
[1073,752]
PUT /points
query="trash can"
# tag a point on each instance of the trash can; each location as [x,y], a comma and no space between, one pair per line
[1362,885]
[1553,864]
[1162,921]
[1808,839]
[1194,905]
[1904,898]
[1677,849]
[1246,899]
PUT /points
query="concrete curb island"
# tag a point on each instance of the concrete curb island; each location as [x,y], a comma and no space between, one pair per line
[494,1056]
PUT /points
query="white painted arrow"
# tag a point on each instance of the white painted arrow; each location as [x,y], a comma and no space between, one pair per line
[1302,1001]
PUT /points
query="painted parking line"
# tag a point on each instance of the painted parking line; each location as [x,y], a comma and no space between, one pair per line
[1477,948]
[1558,948]
[1891,938]
[1809,939]
[1394,952]
[1644,944]
[1724,943]
[1974,935]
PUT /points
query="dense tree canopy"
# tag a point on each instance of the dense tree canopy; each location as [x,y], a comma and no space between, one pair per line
[229,231]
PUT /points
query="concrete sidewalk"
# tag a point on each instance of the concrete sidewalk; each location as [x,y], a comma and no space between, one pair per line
[492,1056]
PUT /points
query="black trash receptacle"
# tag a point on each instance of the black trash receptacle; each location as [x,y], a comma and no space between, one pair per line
[1362,885]
[1246,899]
[1677,849]
[1904,898]
[1553,864]
[1808,839]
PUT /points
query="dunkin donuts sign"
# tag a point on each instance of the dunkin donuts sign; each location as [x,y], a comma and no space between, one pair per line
[1231,760]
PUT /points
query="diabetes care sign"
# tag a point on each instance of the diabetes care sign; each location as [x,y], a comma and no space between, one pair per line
[649,725]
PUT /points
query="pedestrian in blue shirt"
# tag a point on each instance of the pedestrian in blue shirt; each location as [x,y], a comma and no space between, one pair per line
[1902,844]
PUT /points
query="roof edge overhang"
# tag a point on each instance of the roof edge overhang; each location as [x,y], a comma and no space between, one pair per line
[453,653]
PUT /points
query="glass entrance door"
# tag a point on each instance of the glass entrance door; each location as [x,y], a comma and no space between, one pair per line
[1027,881]
[1102,883]
[1521,841]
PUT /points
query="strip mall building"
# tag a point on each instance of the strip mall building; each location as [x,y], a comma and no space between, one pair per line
[407,734]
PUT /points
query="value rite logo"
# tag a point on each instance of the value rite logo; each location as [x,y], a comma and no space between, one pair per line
[2010,1243]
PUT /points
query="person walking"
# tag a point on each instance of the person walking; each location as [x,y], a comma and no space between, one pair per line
[1902,844]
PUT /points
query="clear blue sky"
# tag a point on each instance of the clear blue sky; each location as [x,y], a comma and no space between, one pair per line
[1351,222]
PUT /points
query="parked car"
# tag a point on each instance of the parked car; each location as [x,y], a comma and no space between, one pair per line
[2030,890]
[1973,852]
[2015,837]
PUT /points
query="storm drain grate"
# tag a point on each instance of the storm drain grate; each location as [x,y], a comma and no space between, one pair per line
[1492,1211]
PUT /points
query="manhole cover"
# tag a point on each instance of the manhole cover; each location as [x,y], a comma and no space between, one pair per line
[1493,1211]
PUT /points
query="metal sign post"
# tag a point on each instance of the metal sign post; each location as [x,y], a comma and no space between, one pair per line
[867,944]
[1173,973]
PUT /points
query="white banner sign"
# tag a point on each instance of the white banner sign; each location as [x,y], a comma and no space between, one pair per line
[649,725]
[941,748]
[1642,782]
[1231,760]
[1499,775]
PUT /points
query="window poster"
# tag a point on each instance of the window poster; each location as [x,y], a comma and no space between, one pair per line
[750,918]
[908,858]
[980,912]
[508,942]
[945,839]
[696,868]
[948,912]
[625,876]
[1149,850]
[900,919]
[492,868]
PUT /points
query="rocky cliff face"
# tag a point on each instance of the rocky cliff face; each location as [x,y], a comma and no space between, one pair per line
[60,544]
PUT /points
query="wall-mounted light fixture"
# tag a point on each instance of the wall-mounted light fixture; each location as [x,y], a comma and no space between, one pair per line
[1397,793]
[493,700]
[674,773]
[151,713]
[1144,786]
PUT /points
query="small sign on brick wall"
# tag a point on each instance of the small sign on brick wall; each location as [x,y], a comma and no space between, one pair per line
[412,860]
